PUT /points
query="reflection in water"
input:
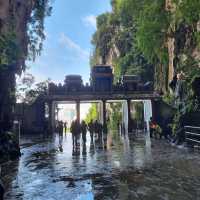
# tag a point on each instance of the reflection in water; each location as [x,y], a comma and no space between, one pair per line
[113,166]
[60,143]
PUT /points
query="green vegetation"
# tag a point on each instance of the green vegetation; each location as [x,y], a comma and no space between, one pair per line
[135,37]
[115,115]
[12,48]
[92,114]
[139,111]
[8,49]
[27,90]
[21,37]
[36,35]
[115,40]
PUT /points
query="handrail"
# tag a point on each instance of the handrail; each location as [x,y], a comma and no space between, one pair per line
[193,140]
[193,127]
[192,135]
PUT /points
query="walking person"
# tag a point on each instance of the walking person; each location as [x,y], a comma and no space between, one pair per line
[83,130]
[91,129]
[72,130]
[75,130]
[152,127]
[65,128]
[96,127]
[60,128]
[180,92]
[100,130]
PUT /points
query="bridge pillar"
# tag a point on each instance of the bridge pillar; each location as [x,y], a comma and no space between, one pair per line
[78,111]
[147,112]
[50,116]
[129,115]
[51,106]
[124,117]
[104,114]
[53,116]
[153,109]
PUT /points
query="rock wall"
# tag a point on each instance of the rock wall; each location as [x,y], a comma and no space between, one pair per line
[179,40]
[14,16]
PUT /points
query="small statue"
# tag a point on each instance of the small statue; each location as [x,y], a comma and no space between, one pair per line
[180,91]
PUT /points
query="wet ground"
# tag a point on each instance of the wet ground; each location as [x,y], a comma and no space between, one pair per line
[121,167]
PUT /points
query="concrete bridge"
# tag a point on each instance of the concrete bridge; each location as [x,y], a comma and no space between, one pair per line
[101,89]
[102,98]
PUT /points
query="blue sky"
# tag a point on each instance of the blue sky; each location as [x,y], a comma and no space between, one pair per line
[68,39]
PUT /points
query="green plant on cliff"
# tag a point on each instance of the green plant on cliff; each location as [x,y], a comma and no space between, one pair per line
[138,30]
[8,49]
[153,24]
[11,51]
[132,37]
[36,34]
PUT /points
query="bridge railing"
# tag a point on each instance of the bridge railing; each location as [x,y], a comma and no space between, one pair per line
[90,92]
[192,135]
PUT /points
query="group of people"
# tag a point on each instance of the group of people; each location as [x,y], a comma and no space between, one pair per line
[80,129]
[61,127]
[157,132]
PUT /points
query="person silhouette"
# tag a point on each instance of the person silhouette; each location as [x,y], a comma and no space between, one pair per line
[60,128]
[65,127]
[75,130]
[91,129]
[83,130]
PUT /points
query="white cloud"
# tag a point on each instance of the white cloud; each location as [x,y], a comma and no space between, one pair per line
[70,44]
[90,20]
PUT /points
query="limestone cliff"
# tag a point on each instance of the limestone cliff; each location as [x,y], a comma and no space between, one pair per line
[181,46]
[14,17]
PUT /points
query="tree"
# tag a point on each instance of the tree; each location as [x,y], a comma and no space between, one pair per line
[115,42]
[40,89]
[21,37]
[23,86]
[92,114]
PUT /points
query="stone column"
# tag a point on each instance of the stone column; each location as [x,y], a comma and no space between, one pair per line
[129,115]
[100,111]
[53,116]
[50,116]
[42,114]
[51,106]
[153,109]
[104,113]
[78,111]
[147,112]
[124,117]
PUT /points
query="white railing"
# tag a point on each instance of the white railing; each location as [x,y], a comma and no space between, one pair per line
[192,135]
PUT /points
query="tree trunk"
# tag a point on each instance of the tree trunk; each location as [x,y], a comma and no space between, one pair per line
[7,99]
[14,16]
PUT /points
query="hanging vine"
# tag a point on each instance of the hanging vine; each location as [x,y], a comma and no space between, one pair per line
[36,34]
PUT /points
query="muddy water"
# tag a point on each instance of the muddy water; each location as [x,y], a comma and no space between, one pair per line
[117,167]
